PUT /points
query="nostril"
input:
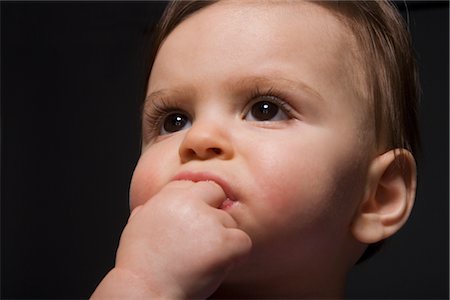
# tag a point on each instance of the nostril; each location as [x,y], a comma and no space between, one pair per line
[216,150]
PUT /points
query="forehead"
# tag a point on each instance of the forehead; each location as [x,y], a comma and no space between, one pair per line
[298,40]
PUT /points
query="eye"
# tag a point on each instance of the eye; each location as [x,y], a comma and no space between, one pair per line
[266,111]
[174,122]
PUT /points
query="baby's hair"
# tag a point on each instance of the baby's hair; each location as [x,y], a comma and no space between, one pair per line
[389,69]
[386,62]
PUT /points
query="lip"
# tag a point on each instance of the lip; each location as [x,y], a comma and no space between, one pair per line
[205,176]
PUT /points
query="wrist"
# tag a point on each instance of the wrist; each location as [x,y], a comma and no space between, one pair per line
[121,283]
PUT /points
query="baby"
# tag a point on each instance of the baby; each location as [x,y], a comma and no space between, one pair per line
[278,141]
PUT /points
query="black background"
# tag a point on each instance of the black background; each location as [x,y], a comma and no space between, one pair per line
[71,88]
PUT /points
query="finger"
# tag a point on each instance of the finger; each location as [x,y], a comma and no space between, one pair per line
[177,185]
[225,219]
[209,192]
[239,244]
[206,191]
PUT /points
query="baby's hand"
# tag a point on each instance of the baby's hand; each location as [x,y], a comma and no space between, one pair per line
[179,244]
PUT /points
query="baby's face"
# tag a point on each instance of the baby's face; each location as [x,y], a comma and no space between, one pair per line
[261,98]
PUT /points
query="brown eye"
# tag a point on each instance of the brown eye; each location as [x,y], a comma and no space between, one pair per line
[175,122]
[266,111]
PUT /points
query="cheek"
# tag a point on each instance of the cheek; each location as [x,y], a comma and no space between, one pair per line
[150,175]
[306,184]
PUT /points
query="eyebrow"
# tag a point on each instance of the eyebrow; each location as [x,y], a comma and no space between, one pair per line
[296,85]
[162,93]
[242,83]
[156,94]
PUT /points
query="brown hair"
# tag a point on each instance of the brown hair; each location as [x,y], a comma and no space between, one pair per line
[389,68]
[387,60]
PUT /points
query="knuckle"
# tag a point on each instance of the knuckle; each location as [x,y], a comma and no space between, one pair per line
[243,240]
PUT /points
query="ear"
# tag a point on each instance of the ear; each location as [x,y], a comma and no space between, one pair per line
[389,197]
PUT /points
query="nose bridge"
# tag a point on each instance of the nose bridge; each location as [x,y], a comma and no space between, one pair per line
[209,137]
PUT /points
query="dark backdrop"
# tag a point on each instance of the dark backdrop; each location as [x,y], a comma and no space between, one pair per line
[71,86]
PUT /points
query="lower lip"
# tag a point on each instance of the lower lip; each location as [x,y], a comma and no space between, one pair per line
[227,204]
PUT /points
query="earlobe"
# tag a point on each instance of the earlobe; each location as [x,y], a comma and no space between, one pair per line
[389,197]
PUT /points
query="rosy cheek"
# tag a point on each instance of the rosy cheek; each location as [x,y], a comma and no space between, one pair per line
[292,189]
[137,189]
[292,200]
[147,180]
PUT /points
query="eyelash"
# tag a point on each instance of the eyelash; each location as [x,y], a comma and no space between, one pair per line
[272,95]
[155,115]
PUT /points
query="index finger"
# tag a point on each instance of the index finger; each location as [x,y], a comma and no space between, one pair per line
[207,191]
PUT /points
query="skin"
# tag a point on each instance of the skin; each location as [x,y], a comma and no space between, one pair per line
[295,183]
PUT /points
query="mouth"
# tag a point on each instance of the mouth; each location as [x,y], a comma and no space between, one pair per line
[204,176]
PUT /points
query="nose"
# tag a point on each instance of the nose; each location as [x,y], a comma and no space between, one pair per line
[206,140]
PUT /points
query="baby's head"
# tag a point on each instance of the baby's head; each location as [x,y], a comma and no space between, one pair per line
[304,113]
